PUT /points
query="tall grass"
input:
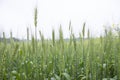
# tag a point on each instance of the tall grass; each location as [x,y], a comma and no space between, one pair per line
[76,59]
[83,59]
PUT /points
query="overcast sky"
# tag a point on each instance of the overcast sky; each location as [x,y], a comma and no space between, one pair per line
[16,15]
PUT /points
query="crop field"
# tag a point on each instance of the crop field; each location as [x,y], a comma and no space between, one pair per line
[83,58]
[76,59]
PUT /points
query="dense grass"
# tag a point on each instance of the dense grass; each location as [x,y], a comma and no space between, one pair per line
[76,59]
[83,59]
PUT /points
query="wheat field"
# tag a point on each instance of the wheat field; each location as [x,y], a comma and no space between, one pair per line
[60,59]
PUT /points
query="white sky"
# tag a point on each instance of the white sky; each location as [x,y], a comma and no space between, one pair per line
[16,15]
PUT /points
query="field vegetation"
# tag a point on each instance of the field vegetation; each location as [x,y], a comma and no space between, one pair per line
[75,59]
